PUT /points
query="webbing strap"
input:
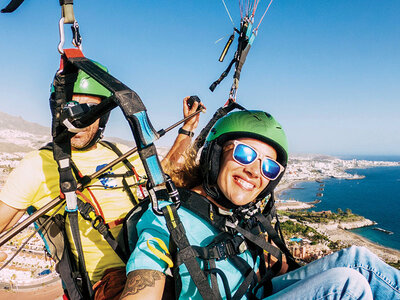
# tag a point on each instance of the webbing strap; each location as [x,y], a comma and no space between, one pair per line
[187,253]
[63,89]
[88,213]
[259,240]
[87,285]
[203,208]
[250,277]
[133,110]
[223,75]
[273,235]
[213,277]
[222,111]
[128,165]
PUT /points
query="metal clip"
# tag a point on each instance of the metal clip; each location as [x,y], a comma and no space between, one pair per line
[62,36]
[172,191]
[153,199]
[76,39]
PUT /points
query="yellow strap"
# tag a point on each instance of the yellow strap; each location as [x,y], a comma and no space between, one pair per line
[171,215]
[165,257]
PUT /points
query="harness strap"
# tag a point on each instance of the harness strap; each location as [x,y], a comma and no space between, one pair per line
[214,282]
[222,111]
[133,110]
[88,213]
[73,217]
[187,253]
[274,236]
[63,87]
[250,279]
[204,209]
[259,240]
[223,75]
[131,171]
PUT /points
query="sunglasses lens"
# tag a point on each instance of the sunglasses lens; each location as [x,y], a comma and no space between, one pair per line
[270,168]
[244,154]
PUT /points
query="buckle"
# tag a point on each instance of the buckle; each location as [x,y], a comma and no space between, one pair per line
[225,250]
[221,251]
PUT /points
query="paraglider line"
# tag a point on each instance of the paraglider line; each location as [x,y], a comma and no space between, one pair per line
[263,15]
[227,11]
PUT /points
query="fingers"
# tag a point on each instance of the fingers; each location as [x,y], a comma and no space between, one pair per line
[191,124]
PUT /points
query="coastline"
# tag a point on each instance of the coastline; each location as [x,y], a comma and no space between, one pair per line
[351,238]
[338,232]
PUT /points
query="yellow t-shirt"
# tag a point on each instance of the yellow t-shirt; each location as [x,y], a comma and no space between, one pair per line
[36,182]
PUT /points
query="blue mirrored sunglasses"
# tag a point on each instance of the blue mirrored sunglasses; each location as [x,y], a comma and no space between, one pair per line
[245,155]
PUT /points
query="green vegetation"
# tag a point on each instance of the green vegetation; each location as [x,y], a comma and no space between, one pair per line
[290,228]
[322,217]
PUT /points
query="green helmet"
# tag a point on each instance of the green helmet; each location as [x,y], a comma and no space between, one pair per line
[247,123]
[85,84]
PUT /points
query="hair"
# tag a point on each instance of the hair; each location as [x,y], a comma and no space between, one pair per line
[189,175]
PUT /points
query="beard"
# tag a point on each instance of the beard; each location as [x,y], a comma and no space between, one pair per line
[84,137]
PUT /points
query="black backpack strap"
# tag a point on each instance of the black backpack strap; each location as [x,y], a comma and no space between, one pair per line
[188,254]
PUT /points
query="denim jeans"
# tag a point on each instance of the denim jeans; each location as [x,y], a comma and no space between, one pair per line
[353,273]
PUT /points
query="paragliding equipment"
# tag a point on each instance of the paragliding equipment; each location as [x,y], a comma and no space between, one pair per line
[12,232]
[68,17]
[246,34]
[246,38]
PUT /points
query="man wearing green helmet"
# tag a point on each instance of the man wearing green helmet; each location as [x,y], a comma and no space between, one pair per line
[35,182]
[221,241]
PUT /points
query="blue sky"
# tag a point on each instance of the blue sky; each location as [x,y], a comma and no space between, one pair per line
[327,70]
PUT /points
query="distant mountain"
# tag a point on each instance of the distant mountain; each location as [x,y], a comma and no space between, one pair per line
[18,135]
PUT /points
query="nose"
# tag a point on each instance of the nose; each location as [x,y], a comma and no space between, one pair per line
[254,169]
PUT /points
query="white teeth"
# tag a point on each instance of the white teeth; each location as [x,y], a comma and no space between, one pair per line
[244,183]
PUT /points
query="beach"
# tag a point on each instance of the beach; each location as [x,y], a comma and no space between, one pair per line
[350,238]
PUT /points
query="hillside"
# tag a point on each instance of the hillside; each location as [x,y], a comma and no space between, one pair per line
[18,135]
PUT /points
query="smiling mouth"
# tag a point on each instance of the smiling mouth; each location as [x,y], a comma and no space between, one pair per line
[243,183]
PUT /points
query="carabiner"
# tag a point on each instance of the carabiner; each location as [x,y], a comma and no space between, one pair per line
[172,191]
[153,199]
[62,35]
[76,37]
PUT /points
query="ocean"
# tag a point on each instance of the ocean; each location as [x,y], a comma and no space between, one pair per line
[376,197]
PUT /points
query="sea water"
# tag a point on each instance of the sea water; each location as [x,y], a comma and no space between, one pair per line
[376,197]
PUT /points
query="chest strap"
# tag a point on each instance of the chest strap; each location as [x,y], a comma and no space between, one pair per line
[188,254]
